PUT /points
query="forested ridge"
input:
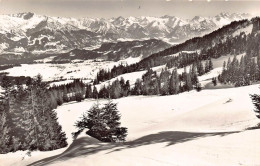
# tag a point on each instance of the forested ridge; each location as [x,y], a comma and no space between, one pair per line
[214,45]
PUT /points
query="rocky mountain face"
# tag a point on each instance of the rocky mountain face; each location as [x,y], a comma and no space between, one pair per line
[32,33]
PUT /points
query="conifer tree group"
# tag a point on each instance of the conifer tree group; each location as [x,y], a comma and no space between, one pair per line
[167,83]
[241,72]
[28,120]
[152,83]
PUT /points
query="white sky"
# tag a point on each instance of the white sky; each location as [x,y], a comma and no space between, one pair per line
[115,8]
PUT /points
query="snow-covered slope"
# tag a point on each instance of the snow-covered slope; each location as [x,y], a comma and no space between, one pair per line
[189,129]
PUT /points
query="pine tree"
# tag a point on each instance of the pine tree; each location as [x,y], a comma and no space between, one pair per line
[65,97]
[93,121]
[210,65]
[258,67]
[253,70]
[200,68]
[31,139]
[59,98]
[174,82]
[52,100]
[214,81]
[4,133]
[224,66]
[56,138]
[206,66]
[164,82]
[188,83]
[193,74]
[116,89]
[88,92]
[95,93]
[6,83]
[103,93]
[79,97]
[241,77]
[228,63]
[137,90]
[126,88]
[111,117]
[256,101]
[198,87]
[103,123]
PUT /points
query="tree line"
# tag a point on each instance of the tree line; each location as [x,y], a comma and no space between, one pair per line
[152,83]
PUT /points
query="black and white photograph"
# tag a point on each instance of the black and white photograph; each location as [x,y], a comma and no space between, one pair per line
[129,82]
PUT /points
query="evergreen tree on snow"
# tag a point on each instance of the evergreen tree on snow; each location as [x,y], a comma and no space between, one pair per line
[137,90]
[256,101]
[95,93]
[111,118]
[4,131]
[88,91]
[193,74]
[174,82]
[6,83]
[206,66]
[164,82]
[200,68]
[188,83]
[103,123]
[210,65]
[116,89]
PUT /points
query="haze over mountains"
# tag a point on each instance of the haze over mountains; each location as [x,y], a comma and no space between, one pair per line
[29,32]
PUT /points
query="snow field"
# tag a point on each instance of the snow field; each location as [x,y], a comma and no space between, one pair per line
[192,128]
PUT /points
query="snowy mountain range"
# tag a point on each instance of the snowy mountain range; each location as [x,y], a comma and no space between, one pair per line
[29,32]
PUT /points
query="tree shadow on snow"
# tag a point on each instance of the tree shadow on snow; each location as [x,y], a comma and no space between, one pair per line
[169,137]
[86,145]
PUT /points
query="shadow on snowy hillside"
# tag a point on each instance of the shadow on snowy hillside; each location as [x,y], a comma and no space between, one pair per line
[87,145]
